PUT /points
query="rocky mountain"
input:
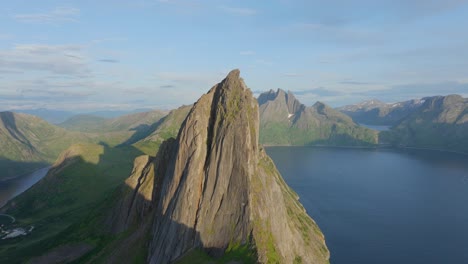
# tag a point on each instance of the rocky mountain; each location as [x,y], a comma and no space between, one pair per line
[214,188]
[285,121]
[375,112]
[441,122]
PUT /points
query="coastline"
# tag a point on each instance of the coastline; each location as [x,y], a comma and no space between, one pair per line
[11,178]
[23,183]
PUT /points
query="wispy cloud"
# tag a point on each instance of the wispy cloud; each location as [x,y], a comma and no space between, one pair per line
[240,11]
[320,91]
[56,59]
[59,14]
[109,60]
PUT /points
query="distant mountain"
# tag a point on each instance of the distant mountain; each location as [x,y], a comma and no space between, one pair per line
[375,112]
[117,113]
[49,115]
[166,128]
[441,122]
[285,121]
[28,142]
[96,124]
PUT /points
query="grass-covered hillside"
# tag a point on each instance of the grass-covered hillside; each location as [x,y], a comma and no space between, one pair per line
[63,205]
[166,128]
[28,142]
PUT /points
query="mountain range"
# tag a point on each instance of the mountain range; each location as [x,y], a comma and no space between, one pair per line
[58,116]
[375,112]
[210,195]
[441,122]
[193,185]
[286,121]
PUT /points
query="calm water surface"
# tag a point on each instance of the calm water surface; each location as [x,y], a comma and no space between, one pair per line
[383,206]
[378,128]
[11,188]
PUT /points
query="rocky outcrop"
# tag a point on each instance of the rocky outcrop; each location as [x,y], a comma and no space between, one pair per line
[215,188]
[140,190]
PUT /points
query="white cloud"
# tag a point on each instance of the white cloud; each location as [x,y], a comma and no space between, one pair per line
[59,14]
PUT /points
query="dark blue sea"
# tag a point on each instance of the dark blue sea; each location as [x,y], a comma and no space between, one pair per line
[383,206]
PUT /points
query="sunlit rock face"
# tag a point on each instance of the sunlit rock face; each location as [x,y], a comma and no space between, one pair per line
[214,187]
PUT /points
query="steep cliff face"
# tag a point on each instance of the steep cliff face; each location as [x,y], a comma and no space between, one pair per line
[215,189]
[205,195]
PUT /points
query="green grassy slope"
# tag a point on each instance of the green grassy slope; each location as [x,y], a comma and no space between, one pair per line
[28,142]
[66,202]
[168,127]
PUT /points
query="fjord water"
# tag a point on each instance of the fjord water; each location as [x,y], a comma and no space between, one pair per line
[11,188]
[383,206]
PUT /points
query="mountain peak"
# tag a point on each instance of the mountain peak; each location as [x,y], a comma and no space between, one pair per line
[281,104]
[234,74]
[215,188]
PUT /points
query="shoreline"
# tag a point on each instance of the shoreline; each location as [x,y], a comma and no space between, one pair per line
[19,189]
[11,178]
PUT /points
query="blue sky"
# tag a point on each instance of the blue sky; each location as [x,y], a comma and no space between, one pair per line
[122,54]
